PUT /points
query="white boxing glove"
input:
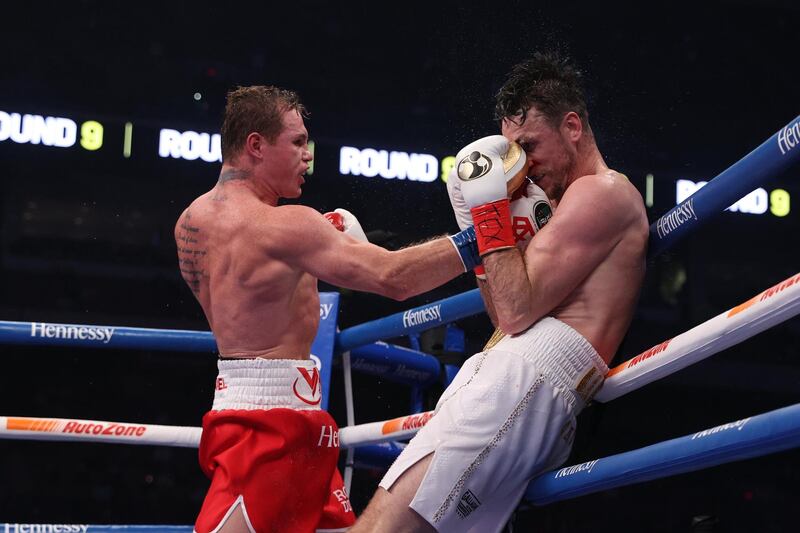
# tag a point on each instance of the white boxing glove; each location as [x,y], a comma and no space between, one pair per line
[529,213]
[484,169]
[489,168]
[347,223]
[460,209]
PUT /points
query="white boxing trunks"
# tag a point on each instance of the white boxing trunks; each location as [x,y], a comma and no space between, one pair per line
[507,416]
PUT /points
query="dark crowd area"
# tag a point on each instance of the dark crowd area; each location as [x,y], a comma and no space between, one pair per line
[86,237]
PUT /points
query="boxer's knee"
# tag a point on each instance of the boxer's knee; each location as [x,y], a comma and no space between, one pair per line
[389,511]
[405,488]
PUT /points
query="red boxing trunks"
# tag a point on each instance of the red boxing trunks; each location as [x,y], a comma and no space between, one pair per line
[270,450]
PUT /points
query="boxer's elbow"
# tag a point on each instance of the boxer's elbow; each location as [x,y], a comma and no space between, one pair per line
[401,295]
[516,314]
[395,289]
[513,323]
[392,284]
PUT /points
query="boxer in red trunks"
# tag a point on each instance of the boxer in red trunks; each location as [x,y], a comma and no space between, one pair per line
[269,450]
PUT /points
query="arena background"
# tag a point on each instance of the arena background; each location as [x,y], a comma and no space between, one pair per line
[86,234]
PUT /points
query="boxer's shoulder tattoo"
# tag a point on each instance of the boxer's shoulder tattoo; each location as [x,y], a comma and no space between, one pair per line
[191,253]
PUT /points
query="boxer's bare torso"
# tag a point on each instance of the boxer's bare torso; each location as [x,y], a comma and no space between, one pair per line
[585,267]
[257,305]
[601,306]
[254,265]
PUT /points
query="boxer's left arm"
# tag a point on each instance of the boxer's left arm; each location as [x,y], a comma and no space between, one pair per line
[529,214]
[483,286]
[581,234]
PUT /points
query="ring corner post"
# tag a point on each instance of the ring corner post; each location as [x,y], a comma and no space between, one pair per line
[322,347]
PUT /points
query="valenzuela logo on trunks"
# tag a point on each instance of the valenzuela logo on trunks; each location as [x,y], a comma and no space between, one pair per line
[676,218]
[312,380]
[422,316]
[64,331]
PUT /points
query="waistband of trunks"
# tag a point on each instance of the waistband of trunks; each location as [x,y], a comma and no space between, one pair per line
[563,354]
[267,384]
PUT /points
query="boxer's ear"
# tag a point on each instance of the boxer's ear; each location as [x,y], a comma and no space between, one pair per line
[253,145]
[571,126]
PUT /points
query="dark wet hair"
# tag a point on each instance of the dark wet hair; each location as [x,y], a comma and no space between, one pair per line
[258,109]
[546,81]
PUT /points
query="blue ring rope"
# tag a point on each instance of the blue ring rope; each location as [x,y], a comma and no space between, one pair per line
[767,433]
[759,435]
[773,157]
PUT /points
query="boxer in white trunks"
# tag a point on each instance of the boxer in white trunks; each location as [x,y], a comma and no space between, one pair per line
[562,304]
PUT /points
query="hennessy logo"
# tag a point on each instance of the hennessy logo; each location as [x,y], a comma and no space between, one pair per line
[583,467]
[325,310]
[676,218]
[788,137]
[328,437]
[422,316]
[312,381]
[68,331]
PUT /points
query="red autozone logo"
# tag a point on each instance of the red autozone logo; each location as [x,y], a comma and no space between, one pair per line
[104,428]
[416,421]
[655,350]
[311,393]
[80,427]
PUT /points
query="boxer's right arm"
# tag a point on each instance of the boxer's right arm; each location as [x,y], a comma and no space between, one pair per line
[303,238]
